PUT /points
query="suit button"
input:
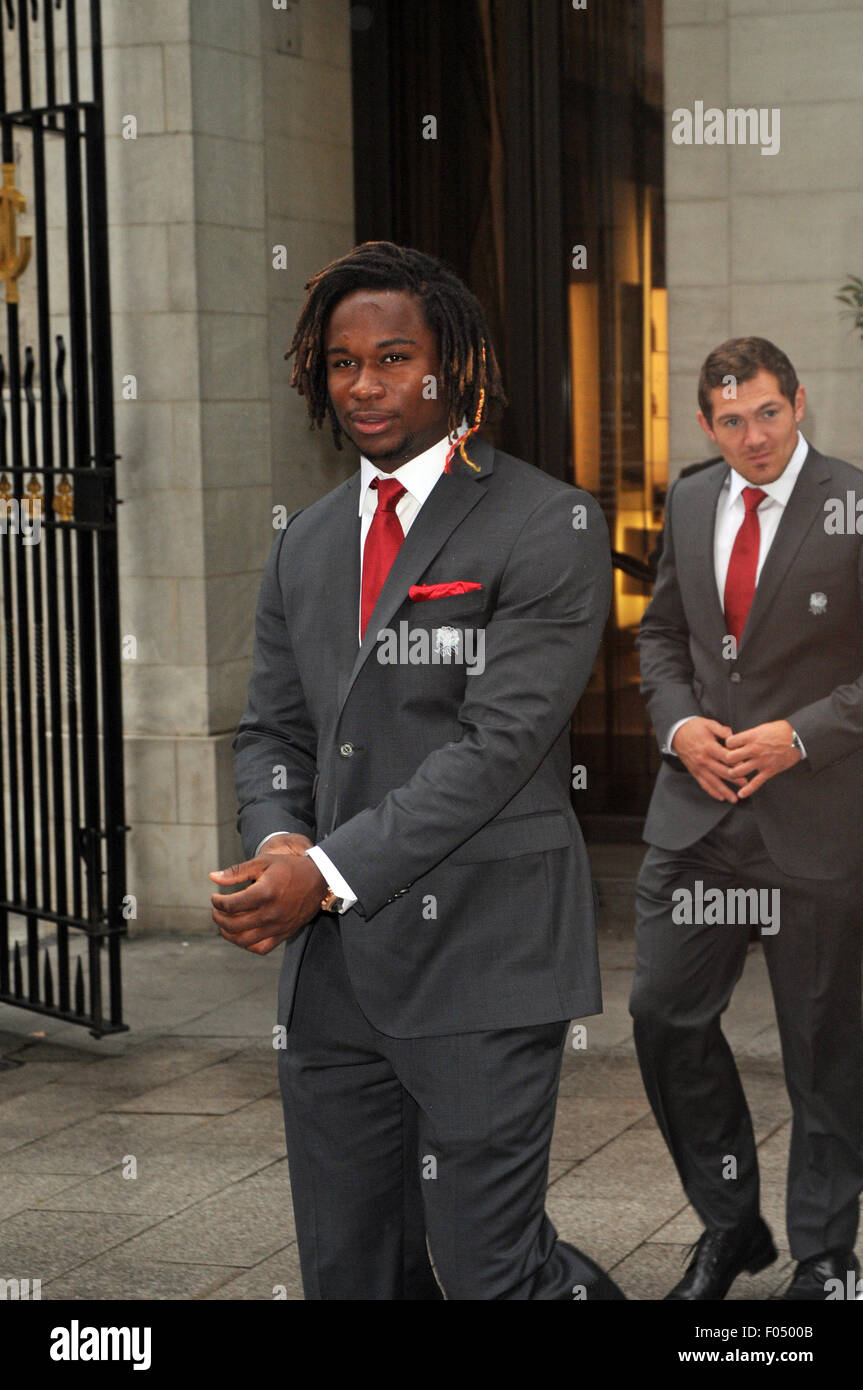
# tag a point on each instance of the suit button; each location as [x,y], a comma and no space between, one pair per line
[347,750]
[736,677]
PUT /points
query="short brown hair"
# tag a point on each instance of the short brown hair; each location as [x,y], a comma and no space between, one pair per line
[742,359]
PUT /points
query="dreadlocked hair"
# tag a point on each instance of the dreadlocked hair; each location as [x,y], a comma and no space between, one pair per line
[472,384]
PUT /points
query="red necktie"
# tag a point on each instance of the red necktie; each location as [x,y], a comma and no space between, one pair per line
[743,565]
[382,545]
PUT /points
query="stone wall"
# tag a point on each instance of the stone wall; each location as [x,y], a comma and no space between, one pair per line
[762,243]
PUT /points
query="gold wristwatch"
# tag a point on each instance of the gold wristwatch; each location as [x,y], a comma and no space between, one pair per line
[330,902]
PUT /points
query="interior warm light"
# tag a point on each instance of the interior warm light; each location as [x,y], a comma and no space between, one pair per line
[584,359]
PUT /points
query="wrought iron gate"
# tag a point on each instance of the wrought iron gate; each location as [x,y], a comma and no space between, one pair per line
[62,848]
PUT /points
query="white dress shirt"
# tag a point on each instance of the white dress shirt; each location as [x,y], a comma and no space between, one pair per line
[730,511]
[418,476]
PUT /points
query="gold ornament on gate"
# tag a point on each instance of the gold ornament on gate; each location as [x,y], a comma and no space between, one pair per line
[64,500]
[14,253]
[31,505]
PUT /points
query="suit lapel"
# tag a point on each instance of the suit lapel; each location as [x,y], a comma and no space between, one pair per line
[700,525]
[803,506]
[452,497]
[343,583]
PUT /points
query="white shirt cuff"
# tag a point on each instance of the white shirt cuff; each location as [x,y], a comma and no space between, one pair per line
[667,748]
[271,836]
[340,886]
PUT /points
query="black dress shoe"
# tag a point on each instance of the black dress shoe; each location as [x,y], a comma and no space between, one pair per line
[602,1287]
[605,1289]
[720,1256]
[598,1286]
[825,1277]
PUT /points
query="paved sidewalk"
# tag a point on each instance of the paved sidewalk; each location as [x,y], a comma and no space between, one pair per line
[191,1095]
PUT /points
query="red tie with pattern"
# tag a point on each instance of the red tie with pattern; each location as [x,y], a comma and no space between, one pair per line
[743,565]
[382,545]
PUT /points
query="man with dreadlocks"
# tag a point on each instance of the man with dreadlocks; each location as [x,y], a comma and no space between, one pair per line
[405,810]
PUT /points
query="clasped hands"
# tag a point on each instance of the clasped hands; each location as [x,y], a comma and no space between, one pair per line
[285,893]
[715,756]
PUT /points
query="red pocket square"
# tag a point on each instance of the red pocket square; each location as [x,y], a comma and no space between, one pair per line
[420,592]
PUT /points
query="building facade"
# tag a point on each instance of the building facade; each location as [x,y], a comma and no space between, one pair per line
[539,148]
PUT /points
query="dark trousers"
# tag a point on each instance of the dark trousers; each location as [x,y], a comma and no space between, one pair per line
[685,973]
[393,1140]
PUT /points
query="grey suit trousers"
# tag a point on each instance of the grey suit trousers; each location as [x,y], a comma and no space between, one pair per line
[393,1140]
[685,973]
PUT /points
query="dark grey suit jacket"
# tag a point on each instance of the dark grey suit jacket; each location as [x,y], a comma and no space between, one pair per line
[442,797]
[800,658]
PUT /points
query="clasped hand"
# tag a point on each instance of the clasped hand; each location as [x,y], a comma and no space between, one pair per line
[715,756]
[285,893]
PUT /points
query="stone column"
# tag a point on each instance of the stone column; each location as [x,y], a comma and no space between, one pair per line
[243,141]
